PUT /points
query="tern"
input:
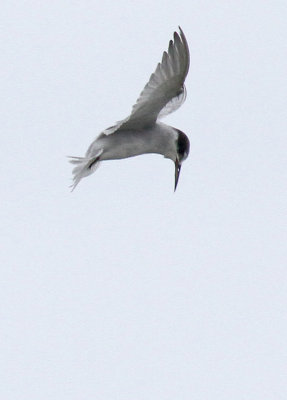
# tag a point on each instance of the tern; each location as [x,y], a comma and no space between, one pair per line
[141,132]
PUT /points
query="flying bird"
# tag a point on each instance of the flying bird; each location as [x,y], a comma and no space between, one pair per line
[141,132]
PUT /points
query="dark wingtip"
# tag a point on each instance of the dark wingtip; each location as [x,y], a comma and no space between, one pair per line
[181,31]
[184,41]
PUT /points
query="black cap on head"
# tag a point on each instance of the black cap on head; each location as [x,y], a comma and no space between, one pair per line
[182,148]
[182,145]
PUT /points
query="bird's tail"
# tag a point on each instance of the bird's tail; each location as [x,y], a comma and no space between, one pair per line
[84,166]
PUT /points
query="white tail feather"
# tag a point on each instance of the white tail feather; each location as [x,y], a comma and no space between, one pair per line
[85,166]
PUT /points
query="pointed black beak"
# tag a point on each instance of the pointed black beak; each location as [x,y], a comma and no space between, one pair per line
[177,166]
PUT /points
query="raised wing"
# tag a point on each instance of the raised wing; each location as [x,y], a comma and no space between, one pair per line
[165,91]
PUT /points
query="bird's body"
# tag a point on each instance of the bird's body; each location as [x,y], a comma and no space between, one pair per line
[160,139]
[141,132]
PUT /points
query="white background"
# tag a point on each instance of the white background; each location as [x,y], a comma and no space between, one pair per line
[124,290]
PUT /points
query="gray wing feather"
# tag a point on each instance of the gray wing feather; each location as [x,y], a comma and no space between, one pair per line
[165,90]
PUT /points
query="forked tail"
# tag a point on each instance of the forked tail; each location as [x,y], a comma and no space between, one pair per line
[85,166]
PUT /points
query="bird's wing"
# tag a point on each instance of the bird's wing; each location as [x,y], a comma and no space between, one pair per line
[165,90]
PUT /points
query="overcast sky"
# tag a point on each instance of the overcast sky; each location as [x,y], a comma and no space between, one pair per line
[123,290]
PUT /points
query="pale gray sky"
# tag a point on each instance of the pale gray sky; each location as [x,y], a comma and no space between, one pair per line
[124,290]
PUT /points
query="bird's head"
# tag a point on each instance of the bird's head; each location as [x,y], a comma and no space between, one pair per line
[182,151]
